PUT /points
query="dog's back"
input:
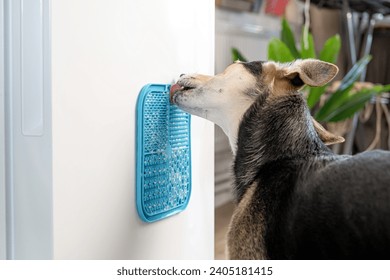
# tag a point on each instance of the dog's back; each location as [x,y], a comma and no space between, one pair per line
[336,210]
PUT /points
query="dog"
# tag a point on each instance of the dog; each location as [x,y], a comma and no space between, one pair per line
[295,198]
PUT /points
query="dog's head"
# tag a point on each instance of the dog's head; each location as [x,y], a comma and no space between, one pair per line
[224,98]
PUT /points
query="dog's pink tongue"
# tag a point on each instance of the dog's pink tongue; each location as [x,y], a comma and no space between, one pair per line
[174,88]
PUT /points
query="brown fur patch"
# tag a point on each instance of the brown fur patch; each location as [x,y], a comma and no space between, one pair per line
[203,78]
[275,77]
[245,238]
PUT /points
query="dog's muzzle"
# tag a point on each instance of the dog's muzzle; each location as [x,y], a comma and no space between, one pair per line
[178,88]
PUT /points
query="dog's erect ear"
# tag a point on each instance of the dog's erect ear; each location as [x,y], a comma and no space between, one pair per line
[327,137]
[312,72]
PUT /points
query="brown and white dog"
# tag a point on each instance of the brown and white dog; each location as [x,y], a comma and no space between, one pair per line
[295,198]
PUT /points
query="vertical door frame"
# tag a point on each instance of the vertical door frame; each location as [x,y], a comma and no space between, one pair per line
[3,236]
[25,156]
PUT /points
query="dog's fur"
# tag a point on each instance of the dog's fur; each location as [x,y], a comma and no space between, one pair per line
[295,198]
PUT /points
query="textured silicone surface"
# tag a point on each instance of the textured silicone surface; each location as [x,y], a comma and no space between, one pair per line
[163,180]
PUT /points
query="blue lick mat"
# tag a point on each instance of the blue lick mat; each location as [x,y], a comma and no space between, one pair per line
[163,175]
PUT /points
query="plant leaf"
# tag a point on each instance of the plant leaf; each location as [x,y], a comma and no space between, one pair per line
[349,109]
[307,50]
[342,93]
[236,55]
[330,51]
[355,103]
[287,37]
[278,51]
[314,95]
[355,72]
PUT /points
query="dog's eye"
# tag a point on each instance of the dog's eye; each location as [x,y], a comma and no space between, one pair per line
[296,81]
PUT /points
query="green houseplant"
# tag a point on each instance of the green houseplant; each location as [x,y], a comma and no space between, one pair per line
[345,101]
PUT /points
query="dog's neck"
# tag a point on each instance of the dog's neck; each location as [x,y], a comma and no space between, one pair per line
[230,125]
[274,128]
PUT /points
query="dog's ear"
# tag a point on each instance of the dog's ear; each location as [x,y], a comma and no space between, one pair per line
[311,72]
[327,137]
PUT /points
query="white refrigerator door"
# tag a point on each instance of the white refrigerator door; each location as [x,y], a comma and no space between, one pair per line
[73,71]
[103,52]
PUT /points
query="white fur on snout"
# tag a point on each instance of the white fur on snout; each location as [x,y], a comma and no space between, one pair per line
[221,99]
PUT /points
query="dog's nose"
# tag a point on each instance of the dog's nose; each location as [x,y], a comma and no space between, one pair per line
[181,75]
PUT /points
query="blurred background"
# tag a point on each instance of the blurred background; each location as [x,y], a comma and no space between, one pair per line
[353,34]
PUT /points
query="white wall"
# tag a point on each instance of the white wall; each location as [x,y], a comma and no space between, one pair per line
[103,52]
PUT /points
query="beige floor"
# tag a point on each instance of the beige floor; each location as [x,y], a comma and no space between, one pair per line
[223,215]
